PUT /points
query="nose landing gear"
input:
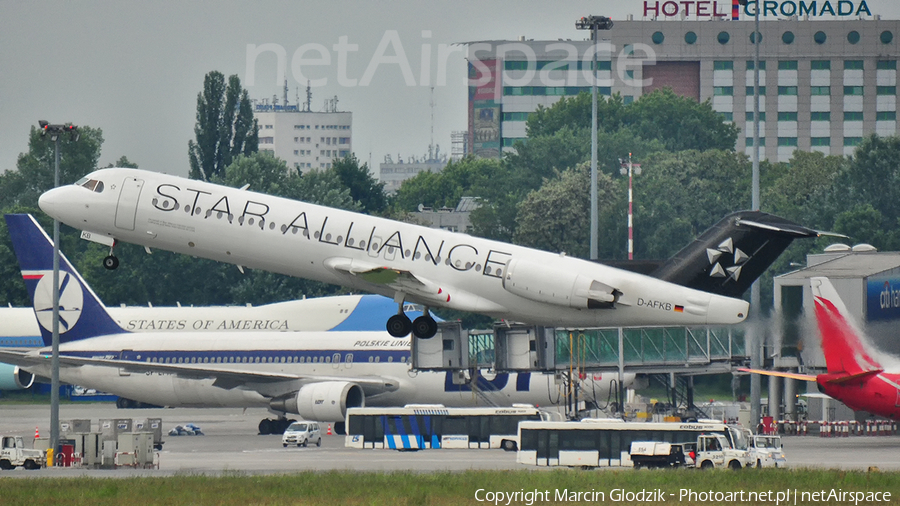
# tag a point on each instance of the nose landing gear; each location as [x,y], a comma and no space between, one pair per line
[111,261]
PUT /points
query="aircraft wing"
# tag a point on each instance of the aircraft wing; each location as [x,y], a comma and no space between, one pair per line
[226,378]
[792,375]
[417,288]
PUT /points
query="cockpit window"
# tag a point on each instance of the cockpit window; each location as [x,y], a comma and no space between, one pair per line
[94,185]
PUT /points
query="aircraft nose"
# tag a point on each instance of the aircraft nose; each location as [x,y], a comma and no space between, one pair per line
[54,203]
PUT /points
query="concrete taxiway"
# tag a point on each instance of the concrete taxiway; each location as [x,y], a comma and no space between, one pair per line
[230,445]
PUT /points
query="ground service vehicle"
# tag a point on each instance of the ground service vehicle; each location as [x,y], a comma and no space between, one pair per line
[710,451]
[436,426]
[715,451]
[766,451]
[656,454]
[301,433]
[14,454]
[607,442]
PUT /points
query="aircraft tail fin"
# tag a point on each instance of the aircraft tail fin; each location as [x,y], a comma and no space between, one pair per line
[728,257]
[81,313]
[842,340]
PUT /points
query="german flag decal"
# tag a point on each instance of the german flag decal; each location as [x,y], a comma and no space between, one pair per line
[679,309]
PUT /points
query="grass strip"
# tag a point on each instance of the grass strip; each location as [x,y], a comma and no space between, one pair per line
[448,488]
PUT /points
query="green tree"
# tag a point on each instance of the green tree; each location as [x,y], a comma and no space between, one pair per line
[871,177]
[325,189]
[862,223]
[680,122]
[556,217]
[34,174]
[679,195]
[21,188]
[364,188]
[263,172]
[800,189]
[469,177]
[123,162]
[575,113]
[225,126]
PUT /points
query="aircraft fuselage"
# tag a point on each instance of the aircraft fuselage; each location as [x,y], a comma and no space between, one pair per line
[458,271]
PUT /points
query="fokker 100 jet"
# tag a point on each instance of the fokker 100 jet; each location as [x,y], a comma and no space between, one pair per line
[700,285]
[855,376]
[315,374]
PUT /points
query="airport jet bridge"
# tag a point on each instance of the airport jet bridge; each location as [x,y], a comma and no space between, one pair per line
[670,355]
[653,350]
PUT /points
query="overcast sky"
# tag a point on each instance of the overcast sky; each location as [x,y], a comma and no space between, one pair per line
[134,69]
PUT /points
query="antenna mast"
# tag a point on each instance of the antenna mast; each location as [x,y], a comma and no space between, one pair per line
[308,97]
[431,154]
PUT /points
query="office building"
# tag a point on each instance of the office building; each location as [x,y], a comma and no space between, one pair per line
[824,84]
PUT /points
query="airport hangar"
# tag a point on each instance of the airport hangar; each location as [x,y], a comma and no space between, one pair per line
[825,82]
[868,282]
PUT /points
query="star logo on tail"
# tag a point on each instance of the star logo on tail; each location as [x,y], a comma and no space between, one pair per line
[726,261]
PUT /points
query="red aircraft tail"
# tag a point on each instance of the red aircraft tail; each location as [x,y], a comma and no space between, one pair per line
[842,342]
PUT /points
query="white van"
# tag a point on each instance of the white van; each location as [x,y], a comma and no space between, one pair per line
[301,433]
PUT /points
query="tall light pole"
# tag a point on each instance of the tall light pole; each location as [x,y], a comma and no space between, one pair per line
[594,23]
[630,169]
[754,337]
[55,132]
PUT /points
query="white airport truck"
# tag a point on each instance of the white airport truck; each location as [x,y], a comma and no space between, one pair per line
[14,454]
[710,451]
[767,451]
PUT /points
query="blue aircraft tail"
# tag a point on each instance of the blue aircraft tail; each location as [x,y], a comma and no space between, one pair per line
[81,313]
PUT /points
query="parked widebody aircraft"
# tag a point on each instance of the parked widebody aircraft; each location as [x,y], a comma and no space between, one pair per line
[855,377]
[433,267]
[317,375]
[19,329]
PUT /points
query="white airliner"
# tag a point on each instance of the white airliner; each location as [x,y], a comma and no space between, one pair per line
[433,267]
[317,375]
[19,329]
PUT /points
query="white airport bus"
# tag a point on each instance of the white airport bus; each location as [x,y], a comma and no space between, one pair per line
[420,426]
[607,442]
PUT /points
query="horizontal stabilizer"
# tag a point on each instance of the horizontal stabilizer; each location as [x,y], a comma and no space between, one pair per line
[861,376]
[780,374]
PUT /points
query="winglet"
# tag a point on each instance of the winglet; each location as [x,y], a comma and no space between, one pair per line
[81,313]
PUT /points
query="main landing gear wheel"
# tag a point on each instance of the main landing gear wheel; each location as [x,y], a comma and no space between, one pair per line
[110,262]
[424,327]
[399,325]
